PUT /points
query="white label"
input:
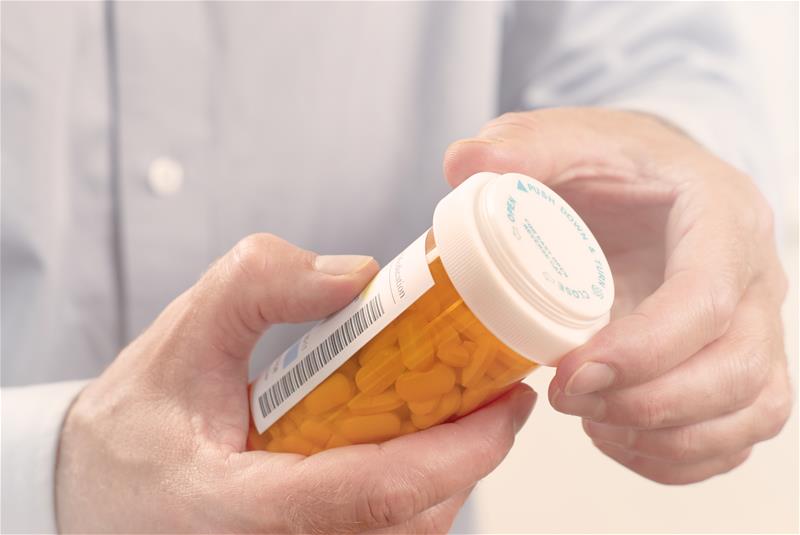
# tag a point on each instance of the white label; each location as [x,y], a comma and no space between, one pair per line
[328,345]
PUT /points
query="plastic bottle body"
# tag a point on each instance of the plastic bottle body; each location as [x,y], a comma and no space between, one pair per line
[434,363]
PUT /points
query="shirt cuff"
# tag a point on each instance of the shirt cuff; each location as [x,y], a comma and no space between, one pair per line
[32,417]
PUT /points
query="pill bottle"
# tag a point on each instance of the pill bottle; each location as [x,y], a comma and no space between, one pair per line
[508,278]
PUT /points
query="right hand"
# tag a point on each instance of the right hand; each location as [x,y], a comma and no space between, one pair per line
[157,442]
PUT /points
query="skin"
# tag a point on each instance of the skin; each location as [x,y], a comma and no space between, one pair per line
[691,372]
[696,367]
[157,442]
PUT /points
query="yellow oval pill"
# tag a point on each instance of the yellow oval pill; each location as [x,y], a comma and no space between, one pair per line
[416,346]
[422,386]
[447,407]
[337,441]
[296,444]
[453,353]
[472,397]
[424,407]
[379,374]
[365,356]
[466,323]
[350,367]
[316,431]
[332,392]
[478,364]
[495,369]
[371,428]
[287,426]
[446,334]
[407,427]
[275,446]
[384,402]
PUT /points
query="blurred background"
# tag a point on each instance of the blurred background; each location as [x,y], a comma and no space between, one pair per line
[535,489]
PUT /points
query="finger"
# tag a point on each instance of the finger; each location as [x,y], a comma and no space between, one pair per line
[545,144]
[437,519]
[369,486]
[670,473]
[708,270]
[723,377]
[718,437]
[263,280]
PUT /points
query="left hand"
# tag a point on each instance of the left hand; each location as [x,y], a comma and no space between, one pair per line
[691,371]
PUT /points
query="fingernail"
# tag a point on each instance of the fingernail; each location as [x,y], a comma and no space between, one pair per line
[613,434]
[520,417]
[589,406]
[590,377]
[340,264]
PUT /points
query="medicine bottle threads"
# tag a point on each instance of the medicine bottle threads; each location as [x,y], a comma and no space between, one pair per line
[509,277]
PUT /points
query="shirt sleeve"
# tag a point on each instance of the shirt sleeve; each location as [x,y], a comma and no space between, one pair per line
[32,417]
[682,61]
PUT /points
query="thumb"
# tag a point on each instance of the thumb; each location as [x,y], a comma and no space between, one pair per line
[551,145]
[265,280]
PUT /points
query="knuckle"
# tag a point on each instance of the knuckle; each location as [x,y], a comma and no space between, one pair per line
[684,446]
[648,412]
[777,410]
[722,301]
[250,256]
[387,502]
[747,375]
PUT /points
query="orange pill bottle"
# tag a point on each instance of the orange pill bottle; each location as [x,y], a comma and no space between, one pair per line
[509,277]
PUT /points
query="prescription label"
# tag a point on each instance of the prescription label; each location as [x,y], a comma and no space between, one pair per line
[328,345]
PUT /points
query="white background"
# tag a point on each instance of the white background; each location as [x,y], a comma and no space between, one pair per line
[555,481]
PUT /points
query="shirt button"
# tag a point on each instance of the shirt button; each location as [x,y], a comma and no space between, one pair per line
[165,176]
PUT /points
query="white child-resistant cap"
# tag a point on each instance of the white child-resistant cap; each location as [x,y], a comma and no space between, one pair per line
[524,263]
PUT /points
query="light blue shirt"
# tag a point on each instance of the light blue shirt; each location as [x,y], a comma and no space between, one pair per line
[142,140]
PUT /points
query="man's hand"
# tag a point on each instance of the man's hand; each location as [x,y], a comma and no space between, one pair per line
[156,444]
[691,372]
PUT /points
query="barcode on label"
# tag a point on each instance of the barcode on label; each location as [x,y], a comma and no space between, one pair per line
[314,361]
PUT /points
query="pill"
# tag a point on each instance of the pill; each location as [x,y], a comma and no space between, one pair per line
[471,398]
[350,368]
[453,353]
[371,428]
[407,427]
[387,338]
[427,306]
[421,386]
[466,323]
[315,431]
[296,444]
[296,415]
[446,334]
[275,446]
[363,404]
[508,376]
[447,407]
[365,356]
[332,392]
[336,441]
[258,442]
[481,360]
[287,426]
[379,374]
[495,369]
[423,407]
[416,346]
